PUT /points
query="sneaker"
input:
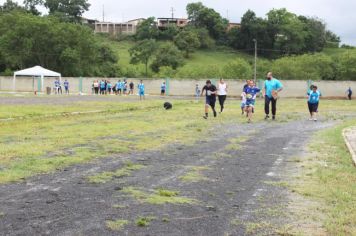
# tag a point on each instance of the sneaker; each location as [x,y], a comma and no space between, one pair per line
[215,114]
[315,119]
[267,117]
[310,119]
[205,117]
[273,117]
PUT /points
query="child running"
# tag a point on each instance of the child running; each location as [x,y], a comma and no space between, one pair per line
[313,102]
[222,93]
[210,100]
[250,93]
[141,90]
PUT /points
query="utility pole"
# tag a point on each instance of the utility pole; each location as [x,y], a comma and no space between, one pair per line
[255,69]
[103,13]
[172,11]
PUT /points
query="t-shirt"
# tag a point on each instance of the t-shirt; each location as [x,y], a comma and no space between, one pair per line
[102,84]
[209,90]
[66,84]
[163,86]
[251,93]
[141,87]
[131,85]
[314,96]
[349,91]
[271,85]
[222,89]
[57,83]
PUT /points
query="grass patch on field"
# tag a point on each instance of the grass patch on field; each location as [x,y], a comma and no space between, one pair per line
[329,180]
[195,174]
[116,225]
[235,143]
[144,221]
[109,175]
[159,197]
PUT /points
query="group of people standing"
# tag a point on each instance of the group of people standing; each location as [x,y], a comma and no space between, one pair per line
[58,87]
[104,87]
[272,87]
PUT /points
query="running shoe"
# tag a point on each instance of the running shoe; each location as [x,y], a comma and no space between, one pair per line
[215,114]
[267,117]
[205,117]
[273,117]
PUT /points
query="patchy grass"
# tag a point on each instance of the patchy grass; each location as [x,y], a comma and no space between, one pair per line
[329,180]
[116,225]
[108,176]
[160,196]
[235,143]
[195,174]
[144,221]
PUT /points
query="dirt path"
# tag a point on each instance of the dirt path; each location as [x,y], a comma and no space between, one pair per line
[234,194]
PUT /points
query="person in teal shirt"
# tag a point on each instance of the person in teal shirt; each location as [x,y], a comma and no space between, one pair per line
[271,89]
[313,102]
[141,90]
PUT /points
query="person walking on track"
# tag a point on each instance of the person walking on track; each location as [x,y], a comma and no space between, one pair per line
[271,89]
[222,93]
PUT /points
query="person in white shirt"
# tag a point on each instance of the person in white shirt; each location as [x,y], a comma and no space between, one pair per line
[222,92]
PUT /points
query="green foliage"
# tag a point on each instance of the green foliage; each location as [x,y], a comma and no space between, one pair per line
[238,69]
[346,65]
[167,55]
[166,72]
[71,49]
[147,29]
[201,16]
[31,6]
[9,6]
[206,41]
[67,10]
[142,52]
[187,41]
[169,32]
[305,67]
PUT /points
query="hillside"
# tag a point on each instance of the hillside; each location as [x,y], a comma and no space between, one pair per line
[202,63]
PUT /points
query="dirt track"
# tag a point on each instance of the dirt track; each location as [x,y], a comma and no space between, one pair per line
[65,203]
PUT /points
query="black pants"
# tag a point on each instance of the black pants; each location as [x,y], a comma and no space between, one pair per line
[269,100]
[349,96]
[222,99]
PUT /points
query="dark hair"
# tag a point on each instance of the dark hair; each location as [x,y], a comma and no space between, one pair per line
[208,81]
[315,87]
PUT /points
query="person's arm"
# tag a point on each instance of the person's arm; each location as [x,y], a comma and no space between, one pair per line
[280,86]
[202,91]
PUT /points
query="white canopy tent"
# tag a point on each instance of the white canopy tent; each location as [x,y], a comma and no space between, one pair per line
[36,71]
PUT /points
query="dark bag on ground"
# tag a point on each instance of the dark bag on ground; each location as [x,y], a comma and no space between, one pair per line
[167,106]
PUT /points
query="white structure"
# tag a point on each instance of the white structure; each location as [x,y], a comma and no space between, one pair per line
[36,71]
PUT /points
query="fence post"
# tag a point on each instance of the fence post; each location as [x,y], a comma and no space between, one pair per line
[260,86]
[80,84]
[167,86]
[39,84]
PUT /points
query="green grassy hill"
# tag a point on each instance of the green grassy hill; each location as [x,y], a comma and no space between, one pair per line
[201,64]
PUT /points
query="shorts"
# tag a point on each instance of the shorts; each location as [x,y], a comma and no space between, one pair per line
[210,100]
[243,104]
[163,91]
[142,93]
[250,103]
[313,107]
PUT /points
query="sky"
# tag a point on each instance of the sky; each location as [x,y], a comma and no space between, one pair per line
[339,15]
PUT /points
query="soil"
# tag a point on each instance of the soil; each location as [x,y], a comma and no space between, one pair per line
[236,199]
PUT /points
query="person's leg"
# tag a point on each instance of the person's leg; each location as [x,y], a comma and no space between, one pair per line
[316,106]
[310,107]
[221,102]
[274,108]
[212,105]
[267,101]
[206,108]
[249,113]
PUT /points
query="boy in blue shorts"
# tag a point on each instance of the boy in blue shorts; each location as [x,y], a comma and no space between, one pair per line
[141,90]
[210,99]
[250,92]
[313,102]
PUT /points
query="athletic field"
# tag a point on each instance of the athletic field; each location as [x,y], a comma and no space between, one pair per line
[112,165]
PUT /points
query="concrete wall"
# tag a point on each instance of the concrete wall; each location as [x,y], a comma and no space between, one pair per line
[292,88]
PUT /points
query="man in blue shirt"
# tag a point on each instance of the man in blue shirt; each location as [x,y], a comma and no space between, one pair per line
[66,86]
[141,90]
[349,93]
[313,102]
[271,89]
[250,93]
[163,89]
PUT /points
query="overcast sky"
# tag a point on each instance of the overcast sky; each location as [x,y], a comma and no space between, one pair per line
[340,15]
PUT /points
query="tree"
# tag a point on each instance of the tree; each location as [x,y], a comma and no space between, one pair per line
[167,55]
[142,52]
[67,10]
[147,29]
[201,16]
[9,5]
[332,39]
[169,32]
[31,6]
[238,69]
[72,49]
[187,41]
[346,65]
